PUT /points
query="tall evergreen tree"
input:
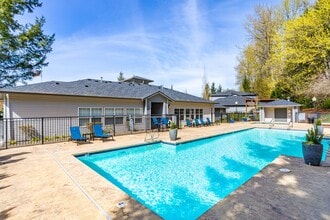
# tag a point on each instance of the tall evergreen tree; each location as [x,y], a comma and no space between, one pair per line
[213,89]
[246,85]
[219,88]
[23,47]
[121,77]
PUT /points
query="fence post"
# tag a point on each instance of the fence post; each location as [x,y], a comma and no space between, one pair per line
[42,130]
[114,125]
[6,134]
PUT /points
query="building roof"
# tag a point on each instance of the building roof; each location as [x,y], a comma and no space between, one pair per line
[279,103]
[138,79]
[102,88]
[230,101]
[233,93]
[241,101]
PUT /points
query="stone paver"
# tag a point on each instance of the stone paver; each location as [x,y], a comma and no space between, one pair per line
[48,182]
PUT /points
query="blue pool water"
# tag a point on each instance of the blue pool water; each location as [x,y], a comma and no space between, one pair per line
[184,181]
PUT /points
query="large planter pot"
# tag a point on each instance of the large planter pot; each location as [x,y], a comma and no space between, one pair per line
[312,153]
[173,134]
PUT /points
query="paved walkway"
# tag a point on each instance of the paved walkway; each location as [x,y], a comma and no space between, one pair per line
[47,182]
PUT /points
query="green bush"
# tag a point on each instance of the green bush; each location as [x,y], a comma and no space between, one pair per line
[172,125]
[313,137]
[326,104]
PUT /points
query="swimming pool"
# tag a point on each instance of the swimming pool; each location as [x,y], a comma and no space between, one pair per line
[183,181]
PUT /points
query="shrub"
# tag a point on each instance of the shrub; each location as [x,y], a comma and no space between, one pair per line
[313,137]
[326,104]
[172,125]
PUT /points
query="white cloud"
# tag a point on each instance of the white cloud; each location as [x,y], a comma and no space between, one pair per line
[175,56]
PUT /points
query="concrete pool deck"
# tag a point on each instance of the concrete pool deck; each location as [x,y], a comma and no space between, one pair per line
[48,182]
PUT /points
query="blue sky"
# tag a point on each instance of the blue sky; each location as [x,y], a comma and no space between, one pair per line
[168,41]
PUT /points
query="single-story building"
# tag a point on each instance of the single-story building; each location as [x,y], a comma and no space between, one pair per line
[94,100]
[279,111]
[231,101]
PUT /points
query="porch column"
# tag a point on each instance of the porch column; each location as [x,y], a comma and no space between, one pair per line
[165,108]
[262,114]
[6,108]
[146,107]
[293,116]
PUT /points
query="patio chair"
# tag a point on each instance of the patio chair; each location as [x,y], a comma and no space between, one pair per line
[231,120]
[209,121]
[188,123]
[76,135]
[164,122]
[98,132]
[156,122]
[203,122]
[197,122]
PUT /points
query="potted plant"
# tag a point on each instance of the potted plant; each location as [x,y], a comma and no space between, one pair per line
[313,148]
[318,125]
[173,131]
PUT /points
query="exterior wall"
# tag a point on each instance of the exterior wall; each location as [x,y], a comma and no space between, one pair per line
[208,109]
[269,114]
[24,106]
[240,109]
[19,106]
[30,106]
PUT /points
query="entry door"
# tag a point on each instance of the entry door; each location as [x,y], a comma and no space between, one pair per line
[281,114]
[156,108]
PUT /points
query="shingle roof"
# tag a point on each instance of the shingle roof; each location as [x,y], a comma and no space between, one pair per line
[279,102]
[230,101]
[138,79]
[232,93]
[102,88]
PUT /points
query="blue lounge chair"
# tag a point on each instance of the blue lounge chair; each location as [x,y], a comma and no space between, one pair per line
[197,122]
[231,120]
[155,123]
[188,123]
[98,132]
[76,135]
[209,121]
[203,122]
[164,123]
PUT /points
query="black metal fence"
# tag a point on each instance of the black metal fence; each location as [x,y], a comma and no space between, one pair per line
[43,130]
[228,117]
[33,131]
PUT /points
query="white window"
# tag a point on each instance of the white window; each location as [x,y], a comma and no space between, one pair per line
[116,114]
[96,115]
[87,115]
[84,114]
[136,114]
